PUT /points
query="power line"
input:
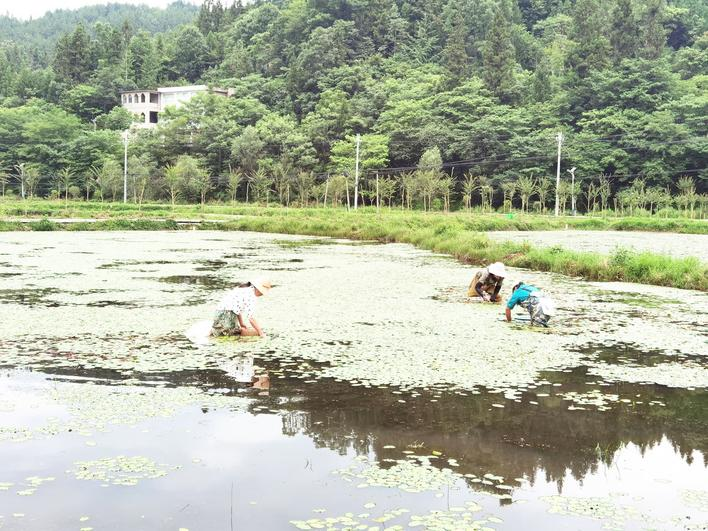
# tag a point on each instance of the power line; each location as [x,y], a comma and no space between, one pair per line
[455,163]
[657,142]
[644,174]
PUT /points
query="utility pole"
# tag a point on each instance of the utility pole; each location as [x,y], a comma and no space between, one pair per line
[559,137]
[356,172]
[125,166]
[572,189]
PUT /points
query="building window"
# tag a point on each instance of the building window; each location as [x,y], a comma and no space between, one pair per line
[153,117]
[130,98]
[142,98]
[153,98]
[142,117]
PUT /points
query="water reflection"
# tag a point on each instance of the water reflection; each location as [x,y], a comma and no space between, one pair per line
[534,434]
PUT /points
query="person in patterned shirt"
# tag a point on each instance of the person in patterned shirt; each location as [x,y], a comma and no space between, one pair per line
[235,312]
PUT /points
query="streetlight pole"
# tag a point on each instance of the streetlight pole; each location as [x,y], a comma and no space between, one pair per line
[125,165]
[558,169]
[572,189]
[356,173]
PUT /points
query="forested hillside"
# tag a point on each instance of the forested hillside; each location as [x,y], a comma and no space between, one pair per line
[471,93]
[42,33]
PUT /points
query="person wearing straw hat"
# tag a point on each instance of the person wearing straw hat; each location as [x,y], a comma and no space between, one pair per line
[234,313]
[487,282]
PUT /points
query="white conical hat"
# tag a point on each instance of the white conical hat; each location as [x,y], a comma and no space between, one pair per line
[497,269]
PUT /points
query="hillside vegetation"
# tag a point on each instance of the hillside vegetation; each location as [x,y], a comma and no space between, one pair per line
[458,103]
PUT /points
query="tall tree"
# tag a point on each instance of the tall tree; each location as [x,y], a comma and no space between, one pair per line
[211,17]
[498,59]
[625,33]
[455,53]
[108,44]
[189,54]
[73,59]
[143,60]
[654,33]
[590,27]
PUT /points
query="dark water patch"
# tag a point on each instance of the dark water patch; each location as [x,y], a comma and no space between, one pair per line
[316,242]
[293,244]
[209,282]
[278,268]
[210,265]
[113,303]
[629,354]
[30,297]
[128,263]
[454,294]
[631,299]
[7,275]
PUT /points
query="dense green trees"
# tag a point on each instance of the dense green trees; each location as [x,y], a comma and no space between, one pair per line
[485,83]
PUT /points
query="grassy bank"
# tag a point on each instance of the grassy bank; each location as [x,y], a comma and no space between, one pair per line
[108,224]
[39,209]
[456,235]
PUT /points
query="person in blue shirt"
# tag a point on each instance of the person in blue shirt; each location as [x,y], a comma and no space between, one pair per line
[540,307]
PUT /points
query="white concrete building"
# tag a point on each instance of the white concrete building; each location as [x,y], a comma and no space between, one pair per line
[146,105]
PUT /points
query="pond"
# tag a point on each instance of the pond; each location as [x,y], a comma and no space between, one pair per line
[676,245]
[392,401]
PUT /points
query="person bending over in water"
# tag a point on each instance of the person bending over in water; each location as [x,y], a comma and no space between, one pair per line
[487,282]
[540,307]
[234,313]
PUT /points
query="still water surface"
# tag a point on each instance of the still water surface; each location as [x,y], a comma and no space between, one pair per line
[393,401]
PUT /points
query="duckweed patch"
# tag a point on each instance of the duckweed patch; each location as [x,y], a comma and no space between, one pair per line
[95,408]
[121,470]
[463,517]
[414,474]
[698,499]
[613,514]
[31,484]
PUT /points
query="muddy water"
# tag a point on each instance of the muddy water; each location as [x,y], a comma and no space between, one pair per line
[393,400]
[676,245]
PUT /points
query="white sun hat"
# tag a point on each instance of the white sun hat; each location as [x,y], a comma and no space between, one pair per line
[262,285]
[497,269]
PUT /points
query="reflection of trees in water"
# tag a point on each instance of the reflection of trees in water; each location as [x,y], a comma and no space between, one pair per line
[295,422]
[519,440]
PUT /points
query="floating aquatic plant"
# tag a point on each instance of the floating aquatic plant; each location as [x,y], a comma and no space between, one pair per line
[121,470]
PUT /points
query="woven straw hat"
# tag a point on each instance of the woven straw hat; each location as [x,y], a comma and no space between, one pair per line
[262,285]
